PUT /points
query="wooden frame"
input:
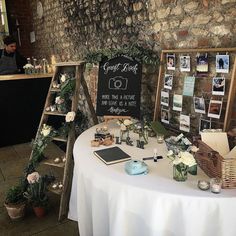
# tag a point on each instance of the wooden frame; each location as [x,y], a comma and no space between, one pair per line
[232,86]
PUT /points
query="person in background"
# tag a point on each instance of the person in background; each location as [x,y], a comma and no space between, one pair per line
[11,62]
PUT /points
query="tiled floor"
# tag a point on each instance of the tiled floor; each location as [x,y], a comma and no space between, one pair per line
[12,161]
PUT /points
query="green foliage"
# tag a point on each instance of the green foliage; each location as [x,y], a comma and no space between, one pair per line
[36,193]
[15,195]
[136,51]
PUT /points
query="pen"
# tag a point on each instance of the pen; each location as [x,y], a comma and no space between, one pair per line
[151,158]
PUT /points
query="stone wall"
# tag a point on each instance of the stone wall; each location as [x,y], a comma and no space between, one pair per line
[70,28]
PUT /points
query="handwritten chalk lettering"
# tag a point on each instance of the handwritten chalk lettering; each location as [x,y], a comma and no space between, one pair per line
[114,96]
[104,103]
[117,110]
[121,103]
[113,68]
[112,103]
[132,103]
[127,67]
[129,97]
[106,96]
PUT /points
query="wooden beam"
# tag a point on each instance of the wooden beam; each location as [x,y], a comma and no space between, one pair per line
[231,97]
[158,91]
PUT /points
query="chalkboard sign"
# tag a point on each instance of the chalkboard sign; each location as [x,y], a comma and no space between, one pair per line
[119,86]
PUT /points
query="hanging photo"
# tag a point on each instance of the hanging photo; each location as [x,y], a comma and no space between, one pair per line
[189,82]
[214,110]
[199,105]
[165,98]
[218,86]
[204,124]
[168,81]
[222,63]
[184,123]
[170,62]
[177,102]
[185,63]
[165,116]
[202,64]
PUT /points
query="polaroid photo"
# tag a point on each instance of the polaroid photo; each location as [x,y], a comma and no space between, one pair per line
[204,124]
[202,63]
[189,82]
[177,102]
[222,63]
[218,86]
[165,98]
[165,116]
[199,105]
[168,81]
[214,109]
[185,63]
[184,123]
[170,61]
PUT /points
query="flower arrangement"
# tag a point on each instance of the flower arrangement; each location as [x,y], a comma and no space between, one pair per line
[182,162]
[36,191]
[125,126]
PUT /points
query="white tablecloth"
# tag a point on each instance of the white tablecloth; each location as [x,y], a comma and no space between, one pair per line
[107,202]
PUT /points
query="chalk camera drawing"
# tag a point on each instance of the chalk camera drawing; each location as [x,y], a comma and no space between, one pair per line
[118,83]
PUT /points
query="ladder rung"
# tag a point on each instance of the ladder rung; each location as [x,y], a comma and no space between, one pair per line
[56,191]
[60,139]
[54,113]
[50,162]
[55,90]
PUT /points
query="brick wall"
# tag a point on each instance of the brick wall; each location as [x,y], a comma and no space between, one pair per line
[20,10]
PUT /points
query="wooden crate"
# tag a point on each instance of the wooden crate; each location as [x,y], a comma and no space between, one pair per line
[214,165]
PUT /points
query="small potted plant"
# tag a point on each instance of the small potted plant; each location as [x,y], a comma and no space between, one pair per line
[15,202]
[36,193]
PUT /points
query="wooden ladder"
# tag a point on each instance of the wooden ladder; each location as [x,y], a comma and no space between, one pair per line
[75,70]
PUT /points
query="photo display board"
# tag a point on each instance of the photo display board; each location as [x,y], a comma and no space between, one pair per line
[119,87]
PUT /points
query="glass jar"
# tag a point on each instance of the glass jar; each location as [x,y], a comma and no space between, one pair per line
[180,172]
[215,185]
[124,134]
[192,170]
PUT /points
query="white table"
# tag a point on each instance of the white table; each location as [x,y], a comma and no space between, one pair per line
[107,202]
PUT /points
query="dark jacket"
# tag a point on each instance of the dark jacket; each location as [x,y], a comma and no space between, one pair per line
[20,60]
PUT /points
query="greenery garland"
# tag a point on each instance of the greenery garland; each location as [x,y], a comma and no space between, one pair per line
[136,51]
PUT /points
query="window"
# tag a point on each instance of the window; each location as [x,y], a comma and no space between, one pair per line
[3,20]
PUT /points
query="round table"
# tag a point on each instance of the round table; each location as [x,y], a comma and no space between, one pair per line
[108,202]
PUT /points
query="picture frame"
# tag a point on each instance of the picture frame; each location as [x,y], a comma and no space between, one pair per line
[184,123]
[177,102]
[165,98]
[204,124]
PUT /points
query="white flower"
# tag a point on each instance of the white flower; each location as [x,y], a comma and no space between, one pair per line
[70,116]
[63,78]
[177,161]
[123,127]
[170,153]
[127,122]
[46,130]
[33,177]
[187,158]
[59,100]
[28,66]
[194,149]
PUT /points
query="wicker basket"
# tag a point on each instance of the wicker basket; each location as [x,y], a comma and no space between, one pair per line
[214,165]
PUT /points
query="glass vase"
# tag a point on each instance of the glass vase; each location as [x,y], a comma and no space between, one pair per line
[180,172]
[124,134]
[143,136]
[192,170]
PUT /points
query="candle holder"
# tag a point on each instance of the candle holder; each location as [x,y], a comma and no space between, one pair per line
[160,138]
[215,184]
